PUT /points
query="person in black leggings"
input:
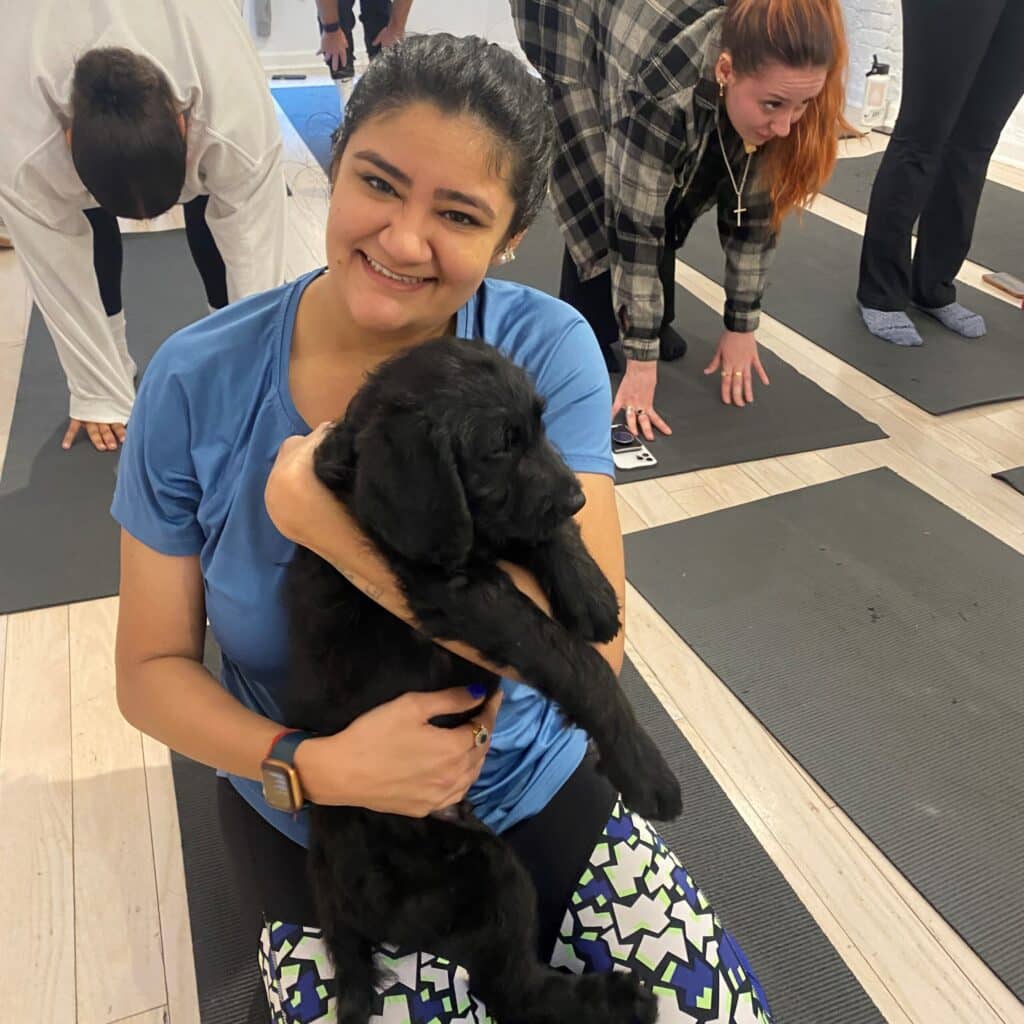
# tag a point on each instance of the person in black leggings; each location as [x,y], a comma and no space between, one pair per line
[963,74]
[108,256]
[383,23]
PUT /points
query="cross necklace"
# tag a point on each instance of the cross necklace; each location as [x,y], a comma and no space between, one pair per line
[738,189]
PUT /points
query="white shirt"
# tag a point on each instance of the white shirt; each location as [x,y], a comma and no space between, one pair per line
[233,156]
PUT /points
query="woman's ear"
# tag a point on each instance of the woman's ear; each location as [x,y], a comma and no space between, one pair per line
[408,492]
[507,252]
[724,71]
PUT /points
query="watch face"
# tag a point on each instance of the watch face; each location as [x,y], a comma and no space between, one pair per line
[277,788]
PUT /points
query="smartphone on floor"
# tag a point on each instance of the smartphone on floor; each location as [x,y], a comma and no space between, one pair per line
[628,451]
[1006,283]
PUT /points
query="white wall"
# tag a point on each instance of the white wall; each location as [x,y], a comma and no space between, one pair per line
[875,26]
[293,40]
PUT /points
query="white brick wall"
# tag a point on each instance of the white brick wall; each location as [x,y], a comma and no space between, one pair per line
[876,26]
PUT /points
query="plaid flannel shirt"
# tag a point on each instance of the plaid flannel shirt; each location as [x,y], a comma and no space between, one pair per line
[635,99]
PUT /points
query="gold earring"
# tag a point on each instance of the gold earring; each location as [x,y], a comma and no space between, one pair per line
[721,89]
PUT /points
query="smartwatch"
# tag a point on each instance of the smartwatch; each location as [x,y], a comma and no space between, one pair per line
[281,786]
[331,26]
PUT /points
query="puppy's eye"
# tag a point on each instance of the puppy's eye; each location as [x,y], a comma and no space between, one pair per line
[511,438]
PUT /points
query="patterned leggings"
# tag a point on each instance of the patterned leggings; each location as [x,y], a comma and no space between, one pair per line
[635,908]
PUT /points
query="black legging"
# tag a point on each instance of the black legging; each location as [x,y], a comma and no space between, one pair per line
[108,255]
[963,74]
[374,14]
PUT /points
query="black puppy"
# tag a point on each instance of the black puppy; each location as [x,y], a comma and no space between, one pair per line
[442,460]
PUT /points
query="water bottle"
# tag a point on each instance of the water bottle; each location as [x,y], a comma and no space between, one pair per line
[876,89]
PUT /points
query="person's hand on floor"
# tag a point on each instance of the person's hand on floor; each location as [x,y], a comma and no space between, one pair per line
[389,35]
[104,436]
[737,360]
[334,48]
[636,398]
[392,760]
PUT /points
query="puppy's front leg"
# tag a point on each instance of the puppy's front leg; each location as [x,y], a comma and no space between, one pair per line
[486,610]
[581,597]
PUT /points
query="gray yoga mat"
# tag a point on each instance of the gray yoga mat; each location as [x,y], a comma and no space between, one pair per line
[812,289]
[806,980]
[792,415]
[58,543]
[998,241]
[1014,477]
[876,634]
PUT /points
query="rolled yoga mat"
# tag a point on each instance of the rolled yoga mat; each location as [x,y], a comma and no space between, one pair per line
[876,634]
[58,543]
[998,241]
[812,289]
[806,980]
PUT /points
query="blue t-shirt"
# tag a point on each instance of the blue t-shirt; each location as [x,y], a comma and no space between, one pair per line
[211,413]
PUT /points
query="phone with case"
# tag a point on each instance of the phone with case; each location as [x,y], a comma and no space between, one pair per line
[628,451]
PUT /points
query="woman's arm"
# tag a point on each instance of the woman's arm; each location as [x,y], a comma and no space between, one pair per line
[390,759]
[162,687]
[305,511]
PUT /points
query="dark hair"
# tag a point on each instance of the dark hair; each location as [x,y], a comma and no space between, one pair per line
[465,76]
[126,143]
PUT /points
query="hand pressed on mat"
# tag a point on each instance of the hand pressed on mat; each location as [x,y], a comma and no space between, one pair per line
[104,436]
[736,359]
[635,396]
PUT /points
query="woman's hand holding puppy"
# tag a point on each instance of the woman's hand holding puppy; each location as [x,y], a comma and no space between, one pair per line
[392,760]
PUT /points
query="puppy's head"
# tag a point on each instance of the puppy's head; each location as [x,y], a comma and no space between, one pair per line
[443,450]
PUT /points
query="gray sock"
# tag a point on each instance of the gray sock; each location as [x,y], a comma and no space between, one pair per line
[894,327]
[957,318]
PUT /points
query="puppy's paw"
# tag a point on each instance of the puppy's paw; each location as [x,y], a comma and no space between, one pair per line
[591,610]
[617,997]
[643,778]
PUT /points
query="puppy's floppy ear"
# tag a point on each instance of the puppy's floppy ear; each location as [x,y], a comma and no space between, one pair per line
[335,458]
[408,490]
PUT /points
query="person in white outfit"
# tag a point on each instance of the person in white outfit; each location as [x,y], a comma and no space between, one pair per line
[123,108]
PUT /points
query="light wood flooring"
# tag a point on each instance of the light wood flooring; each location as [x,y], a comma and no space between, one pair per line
[95,924]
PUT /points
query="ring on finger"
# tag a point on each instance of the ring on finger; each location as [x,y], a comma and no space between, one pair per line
[737,373]
[481,734]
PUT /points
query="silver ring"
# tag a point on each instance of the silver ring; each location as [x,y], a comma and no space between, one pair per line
[630,410]
[481,735]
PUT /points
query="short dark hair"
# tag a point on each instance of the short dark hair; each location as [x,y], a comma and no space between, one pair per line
[126,143]
[465,76]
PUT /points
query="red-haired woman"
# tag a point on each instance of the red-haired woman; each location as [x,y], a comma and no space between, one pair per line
[663,111]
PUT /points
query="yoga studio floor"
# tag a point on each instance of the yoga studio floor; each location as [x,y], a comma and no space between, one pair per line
[92,885]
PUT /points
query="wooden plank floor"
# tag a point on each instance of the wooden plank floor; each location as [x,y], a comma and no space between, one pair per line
[92,885]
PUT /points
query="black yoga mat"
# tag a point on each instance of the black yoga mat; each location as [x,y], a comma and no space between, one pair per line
[998,239]
[225,933]
[876,634]
[58,543]
[806,980]
[812,289]
[792,415]
[1014,477]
